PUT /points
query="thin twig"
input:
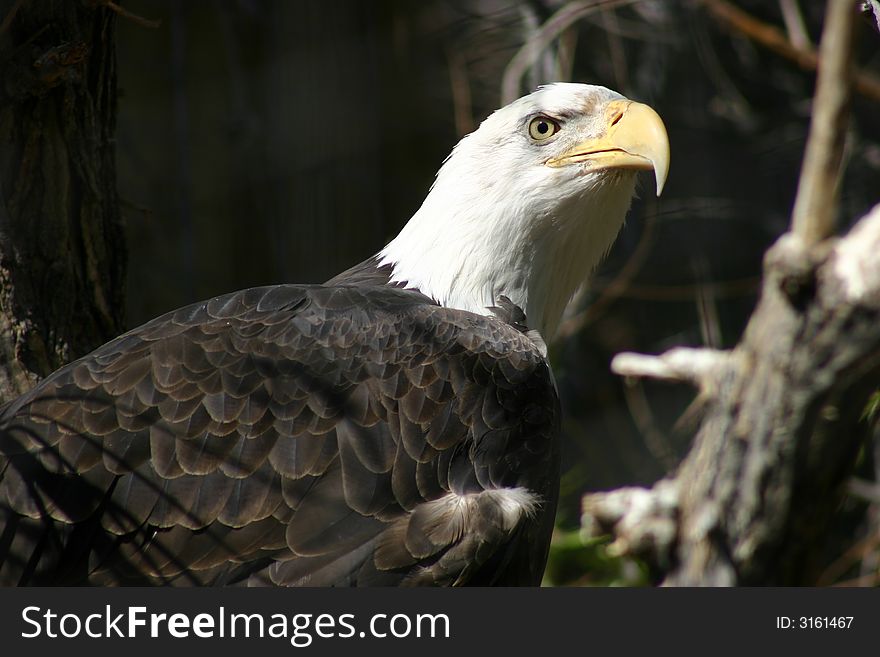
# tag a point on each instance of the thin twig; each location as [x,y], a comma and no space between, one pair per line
[528,54]
[706,304]
[814,206]
[461,92]
[866,490]
[565,56]
[121,11]
[853,555]
[615,50]
[655,440]
[773,38]
[794,24]
[740,287]
[10,16]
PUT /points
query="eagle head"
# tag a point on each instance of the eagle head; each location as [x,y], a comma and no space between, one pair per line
[527,205]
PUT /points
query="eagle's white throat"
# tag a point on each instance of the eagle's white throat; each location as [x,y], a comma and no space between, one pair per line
[499,221]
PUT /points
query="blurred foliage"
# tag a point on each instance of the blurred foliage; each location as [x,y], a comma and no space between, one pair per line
[873,406]
[579,561]
[266,140]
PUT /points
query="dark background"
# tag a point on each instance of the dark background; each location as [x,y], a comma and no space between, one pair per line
[262,141]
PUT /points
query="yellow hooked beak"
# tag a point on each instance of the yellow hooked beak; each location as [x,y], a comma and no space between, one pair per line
[635,138]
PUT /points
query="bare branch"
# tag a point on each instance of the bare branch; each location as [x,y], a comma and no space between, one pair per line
[778,442]
[773,38]
[696,366]
[814,207]
[124,13]
[642,521]
[558,23]
[794,24]
[867,490]
[460,85]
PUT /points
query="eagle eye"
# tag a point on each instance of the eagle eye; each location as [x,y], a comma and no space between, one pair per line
[541,128]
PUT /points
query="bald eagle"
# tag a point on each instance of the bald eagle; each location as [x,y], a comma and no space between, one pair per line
[396,425]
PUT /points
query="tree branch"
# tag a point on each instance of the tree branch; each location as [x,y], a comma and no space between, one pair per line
[776,448]
[774,39]
[814,206]
[699,367]
[784,411]
[558,23]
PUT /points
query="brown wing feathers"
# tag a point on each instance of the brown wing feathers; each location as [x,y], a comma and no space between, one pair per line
[286,435]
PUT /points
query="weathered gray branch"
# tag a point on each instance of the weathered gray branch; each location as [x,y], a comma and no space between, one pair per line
[700,367]
[780,436]
[784,410]
[814,208]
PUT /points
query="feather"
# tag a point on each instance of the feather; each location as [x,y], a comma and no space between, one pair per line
[365,483]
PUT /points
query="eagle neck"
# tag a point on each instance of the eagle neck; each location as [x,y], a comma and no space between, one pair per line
[468,252]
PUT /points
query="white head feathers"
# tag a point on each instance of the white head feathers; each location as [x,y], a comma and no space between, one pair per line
[527,205]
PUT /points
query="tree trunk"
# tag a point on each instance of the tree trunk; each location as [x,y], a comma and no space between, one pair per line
[791,419]
[62,255]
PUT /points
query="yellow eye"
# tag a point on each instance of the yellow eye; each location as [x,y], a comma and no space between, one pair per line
[541,128]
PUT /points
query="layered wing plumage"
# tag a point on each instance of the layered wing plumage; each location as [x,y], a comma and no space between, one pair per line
[319,435]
